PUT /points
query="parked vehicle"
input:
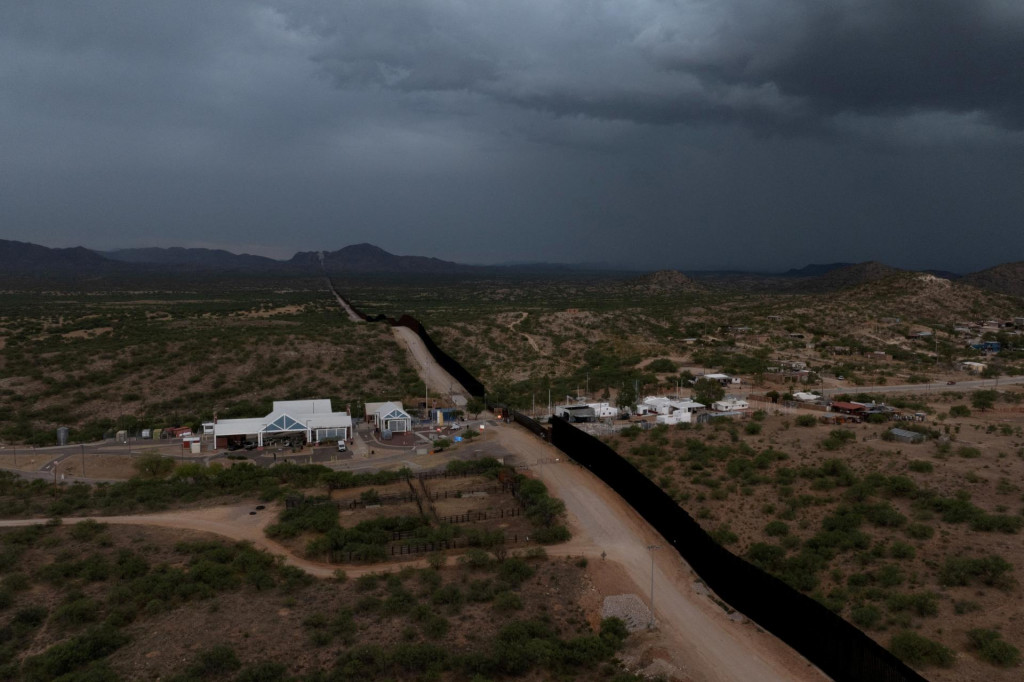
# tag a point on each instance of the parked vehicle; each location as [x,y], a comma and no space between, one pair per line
[250,445]
[341,446]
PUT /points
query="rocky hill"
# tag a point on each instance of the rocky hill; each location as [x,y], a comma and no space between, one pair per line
[23,258]
[192,258]
[1007,278]
[665,282]
[367,258]
[847,276]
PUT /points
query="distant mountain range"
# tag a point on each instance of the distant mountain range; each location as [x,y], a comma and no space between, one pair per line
[23,261]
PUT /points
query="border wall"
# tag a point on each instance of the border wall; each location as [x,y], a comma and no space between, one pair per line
[838,648]
[450,365]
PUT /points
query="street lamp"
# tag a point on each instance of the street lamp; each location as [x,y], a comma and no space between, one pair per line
[651,548]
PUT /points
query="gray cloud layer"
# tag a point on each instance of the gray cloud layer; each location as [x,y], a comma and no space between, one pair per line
[649,132]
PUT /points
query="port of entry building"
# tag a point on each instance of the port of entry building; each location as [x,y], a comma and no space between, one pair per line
[389,416]
[313,418]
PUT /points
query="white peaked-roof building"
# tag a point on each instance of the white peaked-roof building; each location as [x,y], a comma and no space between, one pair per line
[669,411]
[730,405]
[389,416]
[314,418]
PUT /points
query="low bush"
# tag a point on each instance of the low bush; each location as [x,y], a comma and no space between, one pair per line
[991,570]
[919,651]
[990,647]
[921,466]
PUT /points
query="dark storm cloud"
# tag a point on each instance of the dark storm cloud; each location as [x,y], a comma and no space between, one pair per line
[629,131]
[788,63]
[880,56]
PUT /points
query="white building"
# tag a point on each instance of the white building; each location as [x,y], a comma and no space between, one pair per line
[313,418]
[389,416]
[730,405]
[805,397]
[669,411]
[604,410]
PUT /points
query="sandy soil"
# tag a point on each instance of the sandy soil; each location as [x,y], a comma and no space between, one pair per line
[436,378]
[701,638]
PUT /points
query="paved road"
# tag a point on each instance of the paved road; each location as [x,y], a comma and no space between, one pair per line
[936,387]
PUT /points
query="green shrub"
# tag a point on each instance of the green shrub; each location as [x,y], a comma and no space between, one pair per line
[865,616]
[514,571]
[990,647]
[959,411]
[921,466]
[919,531]
[77,652]
[806,420]
[919,651]
[263,672]
[216,661]
[752,428]
[776,528]
[965,606]
[921,603]
[990,570]
[507,601]
[87,530]
[724,535]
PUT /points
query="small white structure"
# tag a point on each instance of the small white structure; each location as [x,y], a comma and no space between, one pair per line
[604,410]
[805,397]
[389,416]
[314,418]
[669,411]
[723,379]
[730,405]
[973,367]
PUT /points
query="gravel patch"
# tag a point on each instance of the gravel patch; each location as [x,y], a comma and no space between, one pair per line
[630,608]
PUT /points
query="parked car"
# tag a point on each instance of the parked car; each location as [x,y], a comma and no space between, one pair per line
[455,426]
[341,446]
[250,445]
[950,383]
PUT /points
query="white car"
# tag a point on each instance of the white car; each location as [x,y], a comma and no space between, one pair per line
[341,446]
[455,426]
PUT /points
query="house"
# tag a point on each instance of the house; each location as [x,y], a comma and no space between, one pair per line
[723,379]
[314,419]
[730,405]
[604,410]
[389,416]
[973,367]
[848,408]
[669,411]
[576,413]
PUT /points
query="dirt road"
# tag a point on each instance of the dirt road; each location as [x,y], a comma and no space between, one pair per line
[345,306]
[706,643]
[433,374]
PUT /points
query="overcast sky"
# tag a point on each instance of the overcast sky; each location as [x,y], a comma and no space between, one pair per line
[698,134]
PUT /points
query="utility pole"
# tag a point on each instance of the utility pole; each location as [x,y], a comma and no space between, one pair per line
[82,446]
[651,548]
